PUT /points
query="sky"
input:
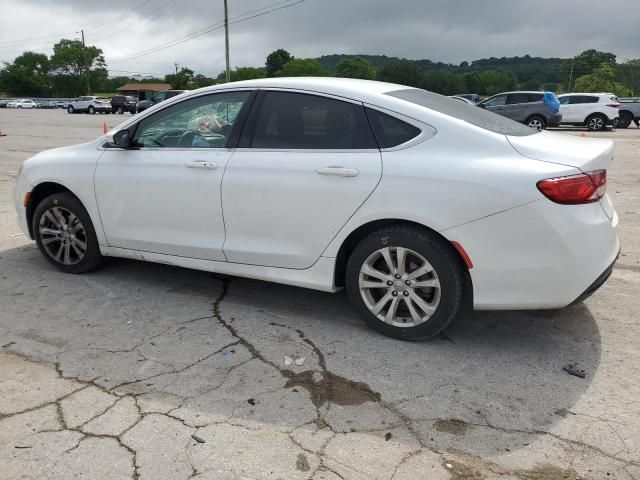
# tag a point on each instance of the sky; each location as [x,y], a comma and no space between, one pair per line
[140,36]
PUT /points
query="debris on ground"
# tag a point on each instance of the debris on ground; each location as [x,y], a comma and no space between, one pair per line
[302,463]
[7,345]
[387,436]
[290,360]
[572,369]
[300,361]
[197,438]
[251,401]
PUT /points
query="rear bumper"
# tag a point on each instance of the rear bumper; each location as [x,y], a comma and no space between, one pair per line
[538,256]
[555,120]
[591,289]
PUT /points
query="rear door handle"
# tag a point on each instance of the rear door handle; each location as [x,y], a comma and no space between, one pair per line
[338,171]
[201,164]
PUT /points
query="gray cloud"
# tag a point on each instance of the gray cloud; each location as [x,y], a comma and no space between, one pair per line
[441,30]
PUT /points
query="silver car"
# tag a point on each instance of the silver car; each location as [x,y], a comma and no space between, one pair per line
[89,104]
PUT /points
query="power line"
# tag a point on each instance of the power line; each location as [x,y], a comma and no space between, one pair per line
[208,29]
[121,17]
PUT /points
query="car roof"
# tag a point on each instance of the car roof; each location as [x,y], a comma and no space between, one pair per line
[585,93]
[355,89]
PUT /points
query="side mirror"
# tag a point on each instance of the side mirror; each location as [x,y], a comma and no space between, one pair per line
[482,105]
[119,139]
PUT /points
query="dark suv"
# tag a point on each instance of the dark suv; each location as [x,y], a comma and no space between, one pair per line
[537,109]
[157,98]
[122,103]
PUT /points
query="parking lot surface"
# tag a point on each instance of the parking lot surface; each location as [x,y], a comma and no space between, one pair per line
[149,371]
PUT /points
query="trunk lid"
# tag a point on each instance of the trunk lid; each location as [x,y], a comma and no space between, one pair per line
[585,154]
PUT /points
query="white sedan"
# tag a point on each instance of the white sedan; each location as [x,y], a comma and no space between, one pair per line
[415,202]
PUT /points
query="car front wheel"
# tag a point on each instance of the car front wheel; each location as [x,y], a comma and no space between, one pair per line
[597,123]
[65,235]
[405,282]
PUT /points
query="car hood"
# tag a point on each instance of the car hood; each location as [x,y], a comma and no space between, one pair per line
[580,152]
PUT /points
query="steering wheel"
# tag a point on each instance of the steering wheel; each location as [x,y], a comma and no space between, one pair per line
[186,139]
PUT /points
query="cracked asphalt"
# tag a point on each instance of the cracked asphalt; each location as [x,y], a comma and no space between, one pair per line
[143,371]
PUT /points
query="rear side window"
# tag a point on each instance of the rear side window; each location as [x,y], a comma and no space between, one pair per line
[467,113]
[390,131]
[515,98]
[579,99]
[301,121]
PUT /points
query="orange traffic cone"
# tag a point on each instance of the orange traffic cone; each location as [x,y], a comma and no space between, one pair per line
[105,129]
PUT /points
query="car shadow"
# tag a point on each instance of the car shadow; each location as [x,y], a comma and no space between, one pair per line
[491,383]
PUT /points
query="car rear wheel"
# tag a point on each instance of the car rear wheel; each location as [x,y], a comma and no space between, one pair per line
[65,235]
[625,120]
[596,123]
[120,110]
[92,110]
[405,282]
[70,109]
[537,122]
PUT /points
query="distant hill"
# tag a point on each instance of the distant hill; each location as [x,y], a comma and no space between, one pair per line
[528,69]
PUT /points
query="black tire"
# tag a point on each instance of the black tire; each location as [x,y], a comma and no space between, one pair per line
[66,202]
[536,121]
[596,123]
[445,262]
[625,119]
[120,110]
[70,109]
[91,110]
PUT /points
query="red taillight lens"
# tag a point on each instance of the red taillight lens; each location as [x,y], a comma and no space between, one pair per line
[575,189]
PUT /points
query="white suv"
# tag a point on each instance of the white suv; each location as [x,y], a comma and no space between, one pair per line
[594,110]
[90,104]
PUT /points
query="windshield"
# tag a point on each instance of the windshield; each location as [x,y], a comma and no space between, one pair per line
[468,113]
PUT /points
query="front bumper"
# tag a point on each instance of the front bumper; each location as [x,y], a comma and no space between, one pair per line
[20,190]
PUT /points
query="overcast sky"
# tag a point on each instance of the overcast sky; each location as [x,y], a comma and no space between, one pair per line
[440,30]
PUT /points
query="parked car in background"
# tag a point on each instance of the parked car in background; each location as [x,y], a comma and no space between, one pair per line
[22,103]
[596,111]
[463,99]
[629,111]
[89,104]
[3,103]
[123,103]
[538,110]
[473,97]
[157,98]
[411,200]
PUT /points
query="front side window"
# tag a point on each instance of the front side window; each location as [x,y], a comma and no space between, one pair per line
[201,122]
[300,121]
[564,100]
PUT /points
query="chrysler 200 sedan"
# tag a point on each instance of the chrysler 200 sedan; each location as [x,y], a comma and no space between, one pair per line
[414,202]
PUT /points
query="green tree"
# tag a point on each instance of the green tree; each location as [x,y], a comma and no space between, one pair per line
[404,72]
[276,61]
[602,80]
[303,67]
[628,73]
[183,80]
[585,63]
[490,82]
[201,80]
[70,63]
[355,68]
[443,82]
[28,75]
[242,73]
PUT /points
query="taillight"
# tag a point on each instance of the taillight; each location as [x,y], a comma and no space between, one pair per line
[575,189]
[613,105]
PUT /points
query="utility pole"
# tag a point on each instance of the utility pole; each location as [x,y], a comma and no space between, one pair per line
[226,41]
[84,59]
[571,74]
[176,64]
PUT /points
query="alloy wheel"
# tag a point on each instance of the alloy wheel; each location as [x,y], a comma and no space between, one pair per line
[596,123]
[399,286]
[536,123]
[63,236]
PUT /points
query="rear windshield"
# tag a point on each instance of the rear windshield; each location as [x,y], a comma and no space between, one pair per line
[462,111]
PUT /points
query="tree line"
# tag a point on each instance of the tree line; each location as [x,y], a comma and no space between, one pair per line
[74,70]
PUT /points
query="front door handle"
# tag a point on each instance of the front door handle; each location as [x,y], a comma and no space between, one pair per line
[201,164]
[338,171]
